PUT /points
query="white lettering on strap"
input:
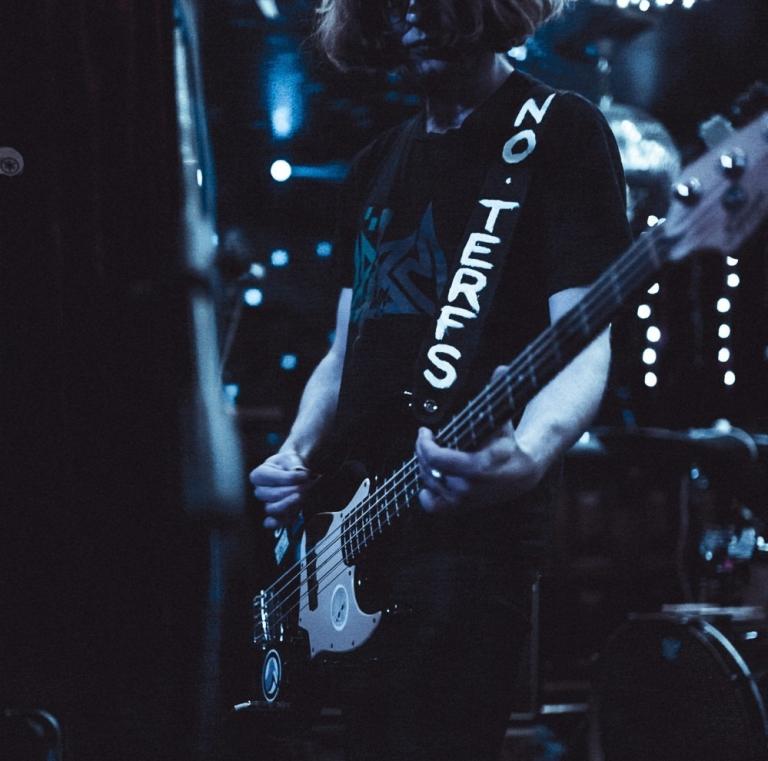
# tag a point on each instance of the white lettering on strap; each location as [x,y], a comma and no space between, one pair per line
[496,207]
[445,320]
[475,245]
[448,369]
[468,281]
[470,291]
[508,153]
[530,107]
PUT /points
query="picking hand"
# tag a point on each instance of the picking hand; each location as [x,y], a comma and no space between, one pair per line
[280,482]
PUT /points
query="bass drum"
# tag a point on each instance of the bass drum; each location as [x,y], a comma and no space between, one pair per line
[672,687]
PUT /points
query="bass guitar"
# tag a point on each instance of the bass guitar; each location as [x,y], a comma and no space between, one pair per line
[313,607]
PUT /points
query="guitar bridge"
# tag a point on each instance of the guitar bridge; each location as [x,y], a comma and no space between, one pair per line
[267,626]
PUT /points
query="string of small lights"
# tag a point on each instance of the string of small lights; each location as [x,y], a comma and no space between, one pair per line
[724,307]
[647,5]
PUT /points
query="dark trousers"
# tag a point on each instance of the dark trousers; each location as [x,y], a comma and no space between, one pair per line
[447,675]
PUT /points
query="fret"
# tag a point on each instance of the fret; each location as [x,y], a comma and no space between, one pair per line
[554,342]
[582,312]
[508,391]
[367,529]
[489,411]
[652,250]
[618,293]
[531,370]
[472,433]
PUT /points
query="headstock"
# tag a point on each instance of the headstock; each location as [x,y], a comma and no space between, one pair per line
[721,198]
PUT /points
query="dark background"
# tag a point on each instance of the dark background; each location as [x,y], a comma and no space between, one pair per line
[124,607]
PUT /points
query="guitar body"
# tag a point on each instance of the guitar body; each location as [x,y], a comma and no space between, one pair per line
[329,611]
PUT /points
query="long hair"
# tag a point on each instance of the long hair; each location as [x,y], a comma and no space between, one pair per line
[355,34]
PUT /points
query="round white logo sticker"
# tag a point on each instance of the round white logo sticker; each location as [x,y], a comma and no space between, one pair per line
[271,673]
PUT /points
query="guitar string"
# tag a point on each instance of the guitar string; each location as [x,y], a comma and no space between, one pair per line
[540,347]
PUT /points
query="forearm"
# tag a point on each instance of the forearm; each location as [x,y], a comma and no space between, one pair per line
[555,418]
[316,409]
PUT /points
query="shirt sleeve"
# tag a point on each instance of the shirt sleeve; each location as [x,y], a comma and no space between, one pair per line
[585,196]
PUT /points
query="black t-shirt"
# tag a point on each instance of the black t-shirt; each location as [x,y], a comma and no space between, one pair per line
[399,255]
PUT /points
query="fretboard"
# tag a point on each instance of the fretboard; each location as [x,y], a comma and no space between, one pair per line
[509,392]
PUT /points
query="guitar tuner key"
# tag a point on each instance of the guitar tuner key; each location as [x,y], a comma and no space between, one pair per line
[733,163]
[688,193]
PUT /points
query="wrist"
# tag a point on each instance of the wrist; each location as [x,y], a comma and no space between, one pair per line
[294,449]
[539,452]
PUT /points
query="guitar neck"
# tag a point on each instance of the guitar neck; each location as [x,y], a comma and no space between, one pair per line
[509,392]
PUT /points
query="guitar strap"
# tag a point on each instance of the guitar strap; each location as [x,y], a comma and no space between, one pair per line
[447,353]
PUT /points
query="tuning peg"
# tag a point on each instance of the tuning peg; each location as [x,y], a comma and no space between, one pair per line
[688,193]
[733,163]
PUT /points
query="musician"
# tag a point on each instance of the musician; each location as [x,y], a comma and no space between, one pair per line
[463,563]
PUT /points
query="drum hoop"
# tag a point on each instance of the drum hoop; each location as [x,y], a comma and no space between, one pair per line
[707,634]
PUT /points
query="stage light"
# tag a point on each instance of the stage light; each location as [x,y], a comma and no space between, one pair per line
[279,257]
[282,123]
[324,249]
[723,305]
[643,311]
[200,178]
[652,220]
[723,355]
[289,361]
[649,356]
[729,378]
[253,297]
[651,380]
[724,331]
[268,8]
[231,392]
[281,170]
[654,289]
[257,270]
[733,280]
[653,334]
[731,261]
[518,53]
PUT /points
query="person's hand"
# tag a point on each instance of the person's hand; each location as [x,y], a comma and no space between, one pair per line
[497,472]
[280,482]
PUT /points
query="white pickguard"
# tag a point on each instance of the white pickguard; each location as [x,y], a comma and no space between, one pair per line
[337,624]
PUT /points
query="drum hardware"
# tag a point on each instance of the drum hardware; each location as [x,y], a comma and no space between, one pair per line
[688,683]
[718,537]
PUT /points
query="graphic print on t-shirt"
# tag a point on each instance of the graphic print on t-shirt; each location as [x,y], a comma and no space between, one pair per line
[401,276]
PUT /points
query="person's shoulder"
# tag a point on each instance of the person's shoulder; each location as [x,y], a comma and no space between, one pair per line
[368,158]
[576,114]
